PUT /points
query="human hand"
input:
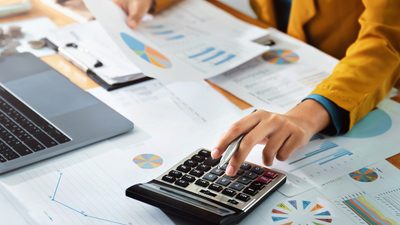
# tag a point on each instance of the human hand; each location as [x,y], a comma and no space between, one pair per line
[135,9]
[281,134]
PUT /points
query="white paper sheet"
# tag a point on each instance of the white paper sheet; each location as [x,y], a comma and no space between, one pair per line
[369,195]
[193,57]
[262,84]
[33,29]
[158,108]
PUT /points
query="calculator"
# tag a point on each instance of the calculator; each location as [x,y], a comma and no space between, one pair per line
[199,191]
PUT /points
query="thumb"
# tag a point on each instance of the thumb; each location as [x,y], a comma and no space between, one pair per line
[136,11]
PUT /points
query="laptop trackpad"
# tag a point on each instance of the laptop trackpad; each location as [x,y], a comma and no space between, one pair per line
[50,94]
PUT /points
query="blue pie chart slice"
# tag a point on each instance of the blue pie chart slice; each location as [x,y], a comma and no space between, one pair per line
[374,124]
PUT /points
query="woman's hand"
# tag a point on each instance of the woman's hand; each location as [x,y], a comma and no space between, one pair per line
[281,134]
[135,9]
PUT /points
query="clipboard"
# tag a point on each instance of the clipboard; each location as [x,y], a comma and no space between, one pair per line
[97,57]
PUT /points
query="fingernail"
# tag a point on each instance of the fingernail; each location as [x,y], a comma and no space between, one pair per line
[230,171]
[214,153]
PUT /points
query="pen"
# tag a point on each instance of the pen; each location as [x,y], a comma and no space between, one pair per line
[231,149]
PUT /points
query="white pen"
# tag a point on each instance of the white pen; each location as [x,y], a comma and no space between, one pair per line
[232,148]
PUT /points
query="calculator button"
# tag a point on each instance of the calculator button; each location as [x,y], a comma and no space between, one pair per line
[251,175]
[231,178]
[270,174]
[224,181]
[240,172]
[183,168]
[211,177]
[202,183]
[197,173]
[237,186]
[203,167]
[244,180]
[217,171]
[264,180]
[258,170]
[245,166]
[207,192]
[215,187]
[250,191]
[257,185]
[175,173]
[198,158]
[233,201]
[229,192]
[204,153]
[223,167]
[189,178]
[168,178]
[190,163]
[182,183]
[243,197]
[211,162]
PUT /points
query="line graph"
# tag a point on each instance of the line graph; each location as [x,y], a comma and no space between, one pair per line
[54,199]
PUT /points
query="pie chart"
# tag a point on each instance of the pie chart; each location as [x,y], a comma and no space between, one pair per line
[148,161]
[301,212]
[145,52]
[364,175]
[374,124]
[281,57]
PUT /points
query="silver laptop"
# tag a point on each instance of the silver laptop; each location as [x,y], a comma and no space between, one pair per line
[42,114]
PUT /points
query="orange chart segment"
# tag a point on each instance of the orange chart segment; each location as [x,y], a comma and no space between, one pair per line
[145,52]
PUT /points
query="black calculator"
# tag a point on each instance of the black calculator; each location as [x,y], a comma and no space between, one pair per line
[199,191]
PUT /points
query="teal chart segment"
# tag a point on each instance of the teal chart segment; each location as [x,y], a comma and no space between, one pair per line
[145,52]
[374,124]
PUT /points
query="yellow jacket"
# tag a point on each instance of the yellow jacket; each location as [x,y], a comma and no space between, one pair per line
[364,35]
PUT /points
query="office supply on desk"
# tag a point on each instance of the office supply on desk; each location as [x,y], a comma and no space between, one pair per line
[12,7]
[196,189]
[43,114]
[174,52]
[230,151]
[88,46]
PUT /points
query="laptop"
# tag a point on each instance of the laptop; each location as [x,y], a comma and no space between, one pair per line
[43,114]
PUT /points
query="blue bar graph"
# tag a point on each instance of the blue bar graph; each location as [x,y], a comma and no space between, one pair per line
[229,57]
[325,146]
[321,161]
[206,51]
[340,153]
[177,37]
[164,32]
[216,55]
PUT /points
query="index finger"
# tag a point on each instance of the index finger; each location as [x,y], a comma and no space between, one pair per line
[242,126]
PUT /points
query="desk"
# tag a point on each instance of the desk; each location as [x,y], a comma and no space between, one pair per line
[83,81]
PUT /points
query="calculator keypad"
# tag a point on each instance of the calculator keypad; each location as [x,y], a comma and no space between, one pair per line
[199,174]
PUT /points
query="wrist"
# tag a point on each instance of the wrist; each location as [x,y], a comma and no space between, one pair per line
[312,115]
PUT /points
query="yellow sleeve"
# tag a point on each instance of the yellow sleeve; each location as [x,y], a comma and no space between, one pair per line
[372,63]
[160,5]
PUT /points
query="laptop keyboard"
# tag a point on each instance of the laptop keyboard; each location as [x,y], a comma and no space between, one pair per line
[23,131]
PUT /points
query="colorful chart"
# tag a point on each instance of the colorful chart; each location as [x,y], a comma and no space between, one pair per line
[148,161]
[367,212]
[364,175]
[375,123]
[300,213]
[145,52]
[281,56]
